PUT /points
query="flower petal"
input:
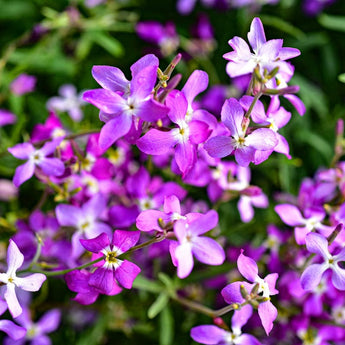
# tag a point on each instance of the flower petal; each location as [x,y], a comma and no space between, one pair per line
[126,274]
[311,277]
[208,251]
[247,267]
[267,313]
[208,334]
[32,282]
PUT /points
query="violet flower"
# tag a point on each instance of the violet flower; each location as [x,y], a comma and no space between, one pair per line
[213,335]
[244,146]
[84,219]
[190,243]
[185,138]
[70,102]
[311,277]
[36,333]
[14,331]
[164,36]
[23,84]
[112,269]
[10,280]
[123,103]
[7,118]
[36,157]
[249,269]
[291,215]
[267,54]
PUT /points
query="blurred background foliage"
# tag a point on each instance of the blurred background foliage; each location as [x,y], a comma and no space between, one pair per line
[60,41]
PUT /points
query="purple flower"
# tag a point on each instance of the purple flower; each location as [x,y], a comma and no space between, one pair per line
[23,84]
[7,118]
[205,249]
[36,333]
[213,335]
[32,282]
[69,102]
[112,269]
[311,277]
[292,216]
[36,157]
[267,54]
[123,103]
[185,138]
[243,145]
[84,219]
[14,331]
[249,269]
[164,36]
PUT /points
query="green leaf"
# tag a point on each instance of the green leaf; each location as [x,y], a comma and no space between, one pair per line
[166,332]
[158,305]
[107,42]
[16,10]
[96,333]
[84,46]
[332,22]
[142,283]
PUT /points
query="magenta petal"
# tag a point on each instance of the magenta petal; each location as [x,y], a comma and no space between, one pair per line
[256,35]
[178,105]
[105,100]
[124,240]
[156,142]
[204,223]
[241,316]
[262,139]
[69,215]
[184,258]
[102,279]
[289,214]
[297,103]
[247,267]
[52,166]
[232,116]
[267,313]
[232,293]
[126,273]
[208,251]
[12,330]
[185,156]
[196,83]
[23,173]
[50,146]
[21,151]
[172,204]
[110,78]
[219,147]
[148,220]
[151,111]
[311,277]
[271,280]
[244,155]
[199,132]
[317,244]
[143,82]
[258,114]
[208,334]
[50,321]
[145,61]
[95,206]
[95,245]
[113,130]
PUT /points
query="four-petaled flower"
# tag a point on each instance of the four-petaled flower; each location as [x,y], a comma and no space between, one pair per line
[32,282]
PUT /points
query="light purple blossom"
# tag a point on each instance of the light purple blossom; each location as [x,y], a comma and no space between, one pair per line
[190,243]
[311,277]
[36,333]
[85,219]
[267,54]
[32,282]
[36,158]
[243,145]
[291,215]
[69,101]
[112,269]
[23,84]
